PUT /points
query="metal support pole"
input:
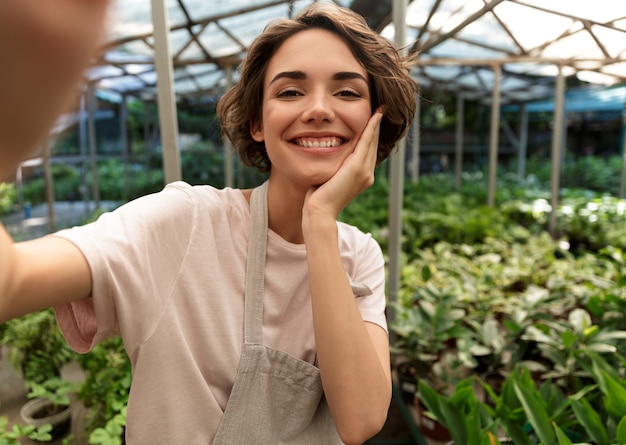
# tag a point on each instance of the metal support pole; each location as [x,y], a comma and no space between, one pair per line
[228,145]
[84,150]
[124,143]
[523,144]
[458,158]
[416,142]
[47,168]
[165,92]
[557,141]
[93,152]
[622,183]
[494,135]
[396,179]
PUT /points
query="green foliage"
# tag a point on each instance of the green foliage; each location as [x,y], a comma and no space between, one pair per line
[66,181]
[56,390]
[435,211]
[112,433]
[529,414]
[8,197]
[104,392]
[12,436]
[468,420]
[596,173]
[36,346]
[425,327]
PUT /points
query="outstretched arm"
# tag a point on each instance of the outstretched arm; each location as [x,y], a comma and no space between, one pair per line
[353,355]
[45,47]
[38,274]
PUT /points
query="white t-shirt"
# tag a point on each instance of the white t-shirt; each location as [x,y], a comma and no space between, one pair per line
[169,276]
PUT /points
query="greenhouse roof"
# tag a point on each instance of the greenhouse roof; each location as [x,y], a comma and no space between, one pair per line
[582,100]
[459,42]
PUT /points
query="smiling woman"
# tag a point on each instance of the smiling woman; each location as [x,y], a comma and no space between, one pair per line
[387,75]
[254,312]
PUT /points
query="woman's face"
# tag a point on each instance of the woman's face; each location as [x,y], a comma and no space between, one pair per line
[316,103]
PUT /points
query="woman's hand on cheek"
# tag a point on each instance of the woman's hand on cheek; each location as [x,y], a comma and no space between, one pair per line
[355,175]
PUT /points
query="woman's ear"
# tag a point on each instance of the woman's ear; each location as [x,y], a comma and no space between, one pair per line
[256,131]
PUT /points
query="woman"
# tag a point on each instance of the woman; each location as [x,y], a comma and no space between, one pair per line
[250,316]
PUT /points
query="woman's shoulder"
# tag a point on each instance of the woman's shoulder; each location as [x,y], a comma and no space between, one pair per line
[354,239]
[209,196]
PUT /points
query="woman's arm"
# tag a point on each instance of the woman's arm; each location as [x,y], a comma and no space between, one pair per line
[353,355]
[45,48]
[38,274]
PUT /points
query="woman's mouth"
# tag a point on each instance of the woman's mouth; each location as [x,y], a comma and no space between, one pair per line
[316,143]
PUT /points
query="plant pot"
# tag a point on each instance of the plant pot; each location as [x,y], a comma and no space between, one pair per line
[428,426]
[39,412]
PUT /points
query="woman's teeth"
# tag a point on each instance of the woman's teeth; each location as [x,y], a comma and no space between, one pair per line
[318,143]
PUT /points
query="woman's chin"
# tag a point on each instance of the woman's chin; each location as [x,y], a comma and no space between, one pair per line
[320,179]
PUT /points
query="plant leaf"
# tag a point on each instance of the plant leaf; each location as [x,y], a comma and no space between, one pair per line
[561,437]
[621,431]
[590,420]
[536,413]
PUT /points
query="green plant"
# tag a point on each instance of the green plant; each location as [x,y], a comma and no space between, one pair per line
[8,197]
[104,391]
[12,435]
[530,415]
[112,433]
[468,420]
[36,346]
[55,389]
[426,323]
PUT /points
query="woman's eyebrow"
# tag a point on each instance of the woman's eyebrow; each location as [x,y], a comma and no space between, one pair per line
[295,75]
[349,75]
[299,75]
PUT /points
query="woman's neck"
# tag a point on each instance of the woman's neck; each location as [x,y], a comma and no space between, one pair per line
[285,212]
[284,209]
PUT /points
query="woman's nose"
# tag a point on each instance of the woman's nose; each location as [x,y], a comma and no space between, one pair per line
[318,109]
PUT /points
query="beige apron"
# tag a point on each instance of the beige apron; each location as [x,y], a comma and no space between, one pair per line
[276,398]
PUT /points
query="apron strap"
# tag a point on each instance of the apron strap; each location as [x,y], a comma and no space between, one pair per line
[255,265]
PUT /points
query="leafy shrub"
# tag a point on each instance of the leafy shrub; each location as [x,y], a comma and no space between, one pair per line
[8,197]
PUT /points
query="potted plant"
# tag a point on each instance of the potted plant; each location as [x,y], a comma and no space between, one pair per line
[50,404]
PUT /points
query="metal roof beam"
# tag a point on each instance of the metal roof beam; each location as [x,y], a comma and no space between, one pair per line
[482,11]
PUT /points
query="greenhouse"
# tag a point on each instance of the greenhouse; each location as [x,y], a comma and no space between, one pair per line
[500,214]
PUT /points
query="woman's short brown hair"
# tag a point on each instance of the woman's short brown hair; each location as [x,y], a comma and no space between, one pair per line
[391,83]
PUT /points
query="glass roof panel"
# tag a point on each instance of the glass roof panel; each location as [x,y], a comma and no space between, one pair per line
[487,31]
[580,43]
[601,10]
[452,48]
[612,40]
[517,32]
[531,27]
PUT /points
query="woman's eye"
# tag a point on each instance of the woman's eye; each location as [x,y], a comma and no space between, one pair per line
[349,93]
[288,93]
